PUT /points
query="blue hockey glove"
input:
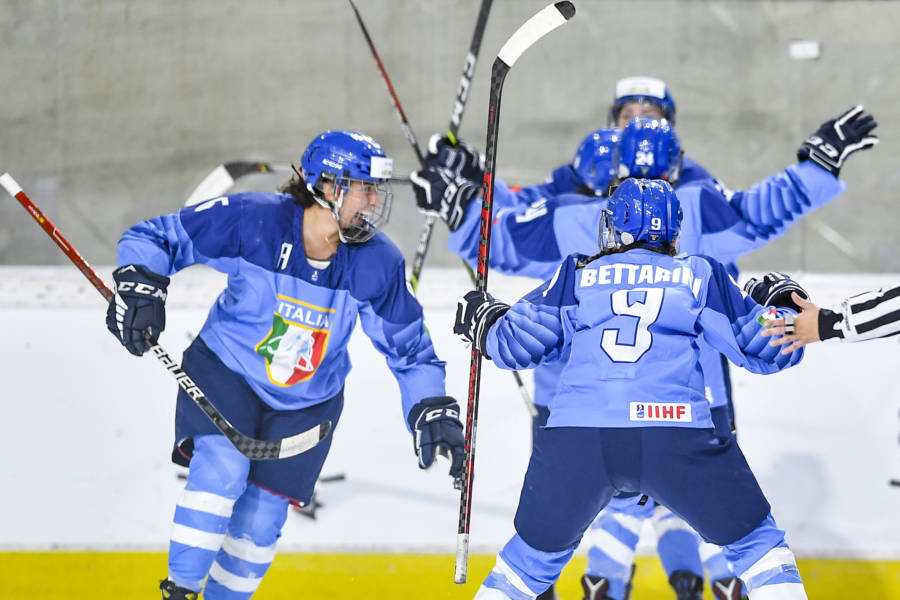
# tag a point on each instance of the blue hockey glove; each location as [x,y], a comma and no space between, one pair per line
[440,192]
[774,289]
[437,429]
[138,308]
[475,314]
[838,138]
[461,159]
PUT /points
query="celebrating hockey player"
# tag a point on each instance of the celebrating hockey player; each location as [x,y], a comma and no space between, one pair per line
[630,414]
[719,222]
[302,265]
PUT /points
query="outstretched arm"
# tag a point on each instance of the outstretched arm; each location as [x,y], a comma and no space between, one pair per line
[729,224]
[866,316]
[535,329]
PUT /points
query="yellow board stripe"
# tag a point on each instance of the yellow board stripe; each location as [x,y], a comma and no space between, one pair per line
[124,575]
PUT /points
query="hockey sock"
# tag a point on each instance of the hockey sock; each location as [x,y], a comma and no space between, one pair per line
[249,545]
[217,477]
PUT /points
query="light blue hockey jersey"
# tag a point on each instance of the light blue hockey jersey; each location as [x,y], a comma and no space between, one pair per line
[531,240]
[280,322]
[630,323]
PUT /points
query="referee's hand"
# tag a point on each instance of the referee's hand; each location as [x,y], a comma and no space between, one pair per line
[805,327]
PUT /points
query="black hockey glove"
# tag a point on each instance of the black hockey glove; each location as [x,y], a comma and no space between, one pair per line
[461,159]
[774,289]
[138,308]
[436,429]
[838,138]
[439,192]
[475,314]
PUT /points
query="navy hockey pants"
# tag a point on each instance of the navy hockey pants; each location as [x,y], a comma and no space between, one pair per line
[574,471]
[293,477]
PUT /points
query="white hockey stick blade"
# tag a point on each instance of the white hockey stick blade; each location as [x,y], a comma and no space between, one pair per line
[215,184]
[535,28]
[10,184]
[223,177]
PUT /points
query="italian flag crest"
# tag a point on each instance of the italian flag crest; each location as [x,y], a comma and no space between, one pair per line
[292,351]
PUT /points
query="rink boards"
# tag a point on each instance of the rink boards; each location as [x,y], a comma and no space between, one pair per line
[85,462]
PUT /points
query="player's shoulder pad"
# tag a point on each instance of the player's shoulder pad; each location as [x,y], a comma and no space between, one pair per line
[692,172]
[559,290]
[717,273]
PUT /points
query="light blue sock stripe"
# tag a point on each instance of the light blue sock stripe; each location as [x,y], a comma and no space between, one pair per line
[678,552]
[241,567]
[200,520]
[774,576]
[498,581]
[188,565]
[216,591]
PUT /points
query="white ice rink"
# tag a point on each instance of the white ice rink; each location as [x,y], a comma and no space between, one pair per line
[84,458]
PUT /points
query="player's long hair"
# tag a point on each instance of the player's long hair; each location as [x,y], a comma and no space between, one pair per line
[669,249]
[296,187]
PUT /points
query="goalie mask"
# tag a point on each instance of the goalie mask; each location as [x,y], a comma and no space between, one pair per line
[593,160]
[348,172]
[649,149]
[641,210]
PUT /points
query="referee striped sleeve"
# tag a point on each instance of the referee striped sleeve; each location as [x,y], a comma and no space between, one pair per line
[872,314]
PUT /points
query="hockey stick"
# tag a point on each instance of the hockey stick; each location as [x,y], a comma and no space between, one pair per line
[223,177]
[462,96]
[249,447]
[459,107]
[535,28]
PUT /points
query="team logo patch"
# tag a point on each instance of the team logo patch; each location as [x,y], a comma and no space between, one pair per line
[297,342]
[660,411]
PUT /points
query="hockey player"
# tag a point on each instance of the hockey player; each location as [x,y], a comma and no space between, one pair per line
[630,414]
[719,222]
[302,265]
[865,316]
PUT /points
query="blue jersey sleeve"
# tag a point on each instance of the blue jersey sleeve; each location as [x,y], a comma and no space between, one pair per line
[729,322]
[538,327]
[392,318]
[531,241]
[208,233]
[727,224]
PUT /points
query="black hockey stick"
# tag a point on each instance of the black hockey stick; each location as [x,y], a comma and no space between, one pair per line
[535,28]
[462,96]
[249,447]
[404,122]
[459,107]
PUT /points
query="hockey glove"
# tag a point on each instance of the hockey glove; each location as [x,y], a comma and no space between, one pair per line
[475,314]
[138,309]
[437,429]
[774,289]
[460,159]
[439,192]
[838,138]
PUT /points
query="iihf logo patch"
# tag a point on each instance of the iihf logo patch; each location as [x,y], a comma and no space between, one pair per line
[660,411]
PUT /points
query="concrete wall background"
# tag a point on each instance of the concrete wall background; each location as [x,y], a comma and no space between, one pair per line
[113,110]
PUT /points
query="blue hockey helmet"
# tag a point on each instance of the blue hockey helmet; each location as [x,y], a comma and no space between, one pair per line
[349,173]
[645,90]
[648,148]
[641,210]
[593,159]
